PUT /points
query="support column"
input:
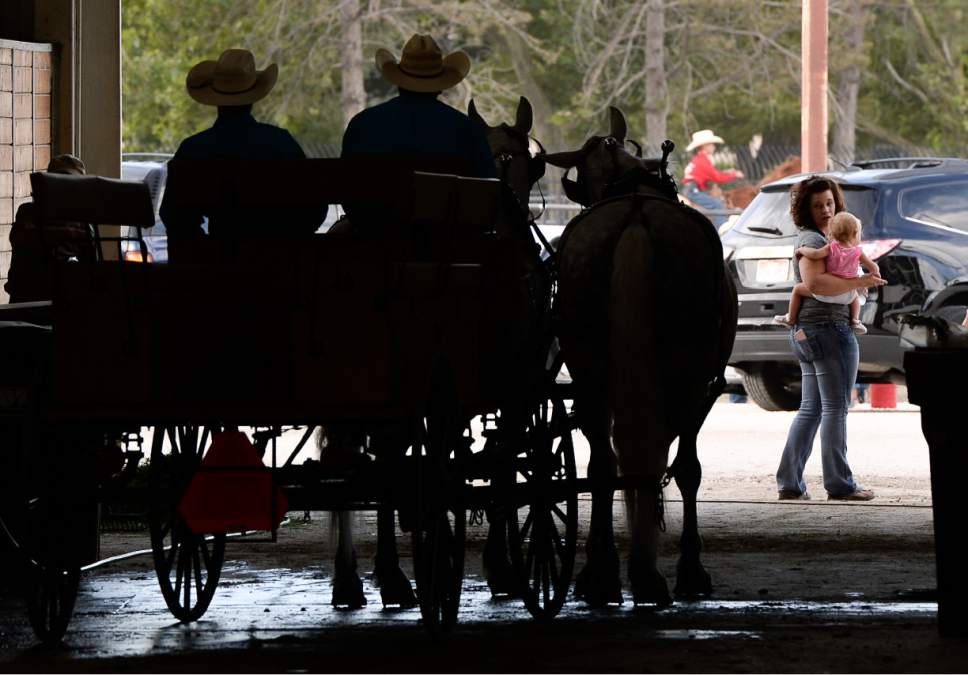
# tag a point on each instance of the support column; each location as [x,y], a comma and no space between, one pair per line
[813,106]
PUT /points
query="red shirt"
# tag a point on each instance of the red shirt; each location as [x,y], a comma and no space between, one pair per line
[700,170]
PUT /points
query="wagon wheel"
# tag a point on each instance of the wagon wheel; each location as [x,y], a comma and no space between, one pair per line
[51,593]
[438,533]
[43,513]
[188,565]
[543,534]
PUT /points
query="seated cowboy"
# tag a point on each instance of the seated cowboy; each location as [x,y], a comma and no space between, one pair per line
[233,84]
[701,177]
[415,122]
[34,249]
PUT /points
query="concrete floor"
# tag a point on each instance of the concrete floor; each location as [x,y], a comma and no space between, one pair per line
[800,587]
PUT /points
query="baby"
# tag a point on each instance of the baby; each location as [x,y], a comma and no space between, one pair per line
[843,255]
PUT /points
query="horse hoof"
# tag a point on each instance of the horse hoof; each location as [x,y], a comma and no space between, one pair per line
[395,588]
[693,583]
[501,579]
[649,588]
[348,592]
[596,591]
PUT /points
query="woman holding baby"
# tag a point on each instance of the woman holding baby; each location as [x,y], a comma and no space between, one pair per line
[824,343]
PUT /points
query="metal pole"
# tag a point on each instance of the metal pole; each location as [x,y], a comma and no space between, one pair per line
[813,105]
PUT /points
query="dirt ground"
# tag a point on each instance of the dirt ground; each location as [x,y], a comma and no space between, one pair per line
[809,586]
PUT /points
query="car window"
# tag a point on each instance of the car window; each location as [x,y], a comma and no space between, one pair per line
[943,204]
[769,213]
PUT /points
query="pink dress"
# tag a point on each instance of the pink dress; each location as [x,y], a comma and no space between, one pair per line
[843,261]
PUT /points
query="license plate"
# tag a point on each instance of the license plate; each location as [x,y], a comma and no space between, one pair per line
[772,271]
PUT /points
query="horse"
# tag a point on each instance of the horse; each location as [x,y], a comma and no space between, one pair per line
[646,317]
[518,170]
[740,197]
[519,160]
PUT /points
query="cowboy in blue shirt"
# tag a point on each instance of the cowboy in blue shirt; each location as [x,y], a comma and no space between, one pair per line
[233,84]
[415,122]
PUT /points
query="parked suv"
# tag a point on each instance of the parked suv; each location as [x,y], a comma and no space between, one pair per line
[152,168]
[915,217]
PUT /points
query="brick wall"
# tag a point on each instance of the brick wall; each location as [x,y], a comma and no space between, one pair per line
[25,131]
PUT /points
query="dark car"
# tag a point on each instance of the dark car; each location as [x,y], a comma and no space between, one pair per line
[915,217]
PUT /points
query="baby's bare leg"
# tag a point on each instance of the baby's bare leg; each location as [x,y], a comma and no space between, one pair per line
[799,291]
[855,309]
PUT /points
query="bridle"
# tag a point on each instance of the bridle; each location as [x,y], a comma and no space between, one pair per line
[621,181]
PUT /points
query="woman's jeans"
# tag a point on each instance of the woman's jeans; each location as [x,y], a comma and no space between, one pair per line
[706,201]
[828,362]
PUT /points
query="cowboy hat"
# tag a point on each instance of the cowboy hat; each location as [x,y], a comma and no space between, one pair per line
[703,137]
[232,80]
[422,66]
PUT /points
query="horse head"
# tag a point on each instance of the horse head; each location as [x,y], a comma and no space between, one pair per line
[606,169]
[518,157]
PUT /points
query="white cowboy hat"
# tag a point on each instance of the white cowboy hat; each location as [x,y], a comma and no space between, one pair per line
[702,137]
[232,80]
[422,66]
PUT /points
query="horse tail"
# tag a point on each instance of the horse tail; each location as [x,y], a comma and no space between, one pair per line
[633,370]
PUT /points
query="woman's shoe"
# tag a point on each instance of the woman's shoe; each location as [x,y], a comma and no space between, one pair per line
[858,327]
[858,495]
[793,494]
[783,320]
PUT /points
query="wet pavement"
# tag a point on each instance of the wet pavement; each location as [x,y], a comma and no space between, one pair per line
[280,620]
[800,587]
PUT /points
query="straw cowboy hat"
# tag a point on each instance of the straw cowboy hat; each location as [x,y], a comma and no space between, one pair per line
[232,80]
[702,137]
[422,66]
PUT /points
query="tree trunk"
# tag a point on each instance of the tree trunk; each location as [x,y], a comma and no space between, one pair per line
[656,88]
[353,98]
[848,86]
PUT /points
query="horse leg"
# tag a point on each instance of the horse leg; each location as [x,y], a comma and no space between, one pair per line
[692,580]
[496,560]
[599,583]
[643,451]
[395,588]
[347,586]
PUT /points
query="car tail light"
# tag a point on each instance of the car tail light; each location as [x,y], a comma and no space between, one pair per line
[878,248]
[135,256]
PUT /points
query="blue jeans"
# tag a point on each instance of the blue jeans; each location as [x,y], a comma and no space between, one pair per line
[828,362]
[706,201]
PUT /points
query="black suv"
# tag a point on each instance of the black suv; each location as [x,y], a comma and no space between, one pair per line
[915,217]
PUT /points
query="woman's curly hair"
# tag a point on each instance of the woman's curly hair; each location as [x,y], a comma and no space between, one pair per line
[800,199]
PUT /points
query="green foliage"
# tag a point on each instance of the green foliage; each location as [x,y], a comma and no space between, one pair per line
[730,65]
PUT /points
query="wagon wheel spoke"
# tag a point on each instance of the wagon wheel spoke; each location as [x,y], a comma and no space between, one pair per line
[182,557]
[544,533]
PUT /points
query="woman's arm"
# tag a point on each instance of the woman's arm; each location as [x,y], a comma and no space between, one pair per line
[818,282]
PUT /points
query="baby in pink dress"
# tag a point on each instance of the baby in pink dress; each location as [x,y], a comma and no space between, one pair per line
[844,256]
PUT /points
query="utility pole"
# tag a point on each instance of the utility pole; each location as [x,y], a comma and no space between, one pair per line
[813,88]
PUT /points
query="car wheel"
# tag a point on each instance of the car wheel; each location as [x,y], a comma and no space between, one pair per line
[953,312]
[773,387]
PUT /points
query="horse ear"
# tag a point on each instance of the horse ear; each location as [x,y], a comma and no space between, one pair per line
[525,116]
[618,126]
[564,160]
[476,116]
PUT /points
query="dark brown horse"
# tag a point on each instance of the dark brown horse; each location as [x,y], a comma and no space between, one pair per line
[646,319]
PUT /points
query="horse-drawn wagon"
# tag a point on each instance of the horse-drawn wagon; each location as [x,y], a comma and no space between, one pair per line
[426,323]
[434,308]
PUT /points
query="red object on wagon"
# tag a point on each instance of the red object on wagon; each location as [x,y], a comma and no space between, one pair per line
[233,490]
